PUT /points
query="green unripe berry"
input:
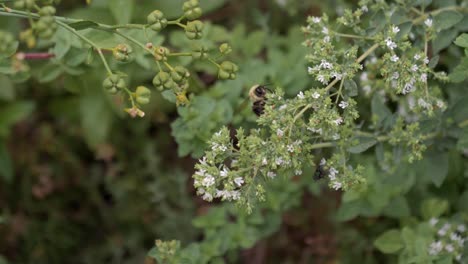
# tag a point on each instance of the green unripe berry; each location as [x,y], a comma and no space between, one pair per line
[29,4]
[20,4]
[192,9]
[162,81]
[225,48]
[194,29]
[180,74]
[200,52]
[142,95]
[122,52]
[114,83]
[227,70]
[7,43]
[160,53]
[156,20]
[47,11]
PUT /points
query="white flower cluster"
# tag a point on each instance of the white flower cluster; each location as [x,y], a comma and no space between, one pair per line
[332,175]
[450,239]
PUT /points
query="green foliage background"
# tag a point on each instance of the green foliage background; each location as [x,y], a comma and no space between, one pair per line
[80,182]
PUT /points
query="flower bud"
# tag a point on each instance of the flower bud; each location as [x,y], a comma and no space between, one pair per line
[192,9]
[225,48]
[156,20]
[162,81]
[142,95]
[181,98]
[114,83]
[122,52]
[194,29]
[227,70]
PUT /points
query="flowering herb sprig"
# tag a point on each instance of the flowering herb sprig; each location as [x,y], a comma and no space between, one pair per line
[43,25]
[392,63]
[449,238]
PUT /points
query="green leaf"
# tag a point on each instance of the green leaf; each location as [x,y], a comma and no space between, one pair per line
[463,140]
[7,90]
[80,25]
[433,207]
[122,10]
[49,73]
[462,40]
[6,166]
[169,96]
[12,113]
[405,29]
[96,118]
[389,242]
[437,165]
[447,19]
[379,109]
[364,144]
[12,50]
[350,87]
[443,39]
[397,208]
[460,73]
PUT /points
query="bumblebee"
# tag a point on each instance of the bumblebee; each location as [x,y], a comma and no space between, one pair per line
[258,95]
[320,172]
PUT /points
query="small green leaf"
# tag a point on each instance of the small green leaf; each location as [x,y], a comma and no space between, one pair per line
[7,90]
[460,73]
[389,242]
[122,10]
[462,40]
[169,96]
[447,19]
[364,144]
[437,167]
[49,73]
[350,87]
[433,207]
[80,25]
[12,113]
[405,29]
[443,39]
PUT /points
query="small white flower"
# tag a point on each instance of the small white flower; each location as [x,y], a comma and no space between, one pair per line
[422,103]
[282,107]
[316,20]
[449,248]
[433,221]
[264,161]
[279,161]
[234,162]
[426,60]
[325,30]
[428,22]
[208,180]
[390,44]
[338,121]
[332,172]
[394,58]
[271,174]
[336,136]
[224,172]
[290,148]
[298,172]
[367,89]
[417,56]
[279,132]
[343,104]
[298,142]
[408,88]
[458,257]
[414,67]
[321,79]
[207,197]
[336,185]
[323,161]
[440,104]
[326,39]
[336,75]
[423,77]
[442,232]
[364,9]
[435,248]
[200,172]
[364,77]
[395,29]
[461,228]
[310,70]
[315,95]
[395,76]
[455,237]
[238,181]
[218,133]
[214,146]
[222,148]
[202,161]
[300,95]
[235,195]
[326,65]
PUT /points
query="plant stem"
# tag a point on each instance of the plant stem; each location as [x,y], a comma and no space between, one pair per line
[85,39]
